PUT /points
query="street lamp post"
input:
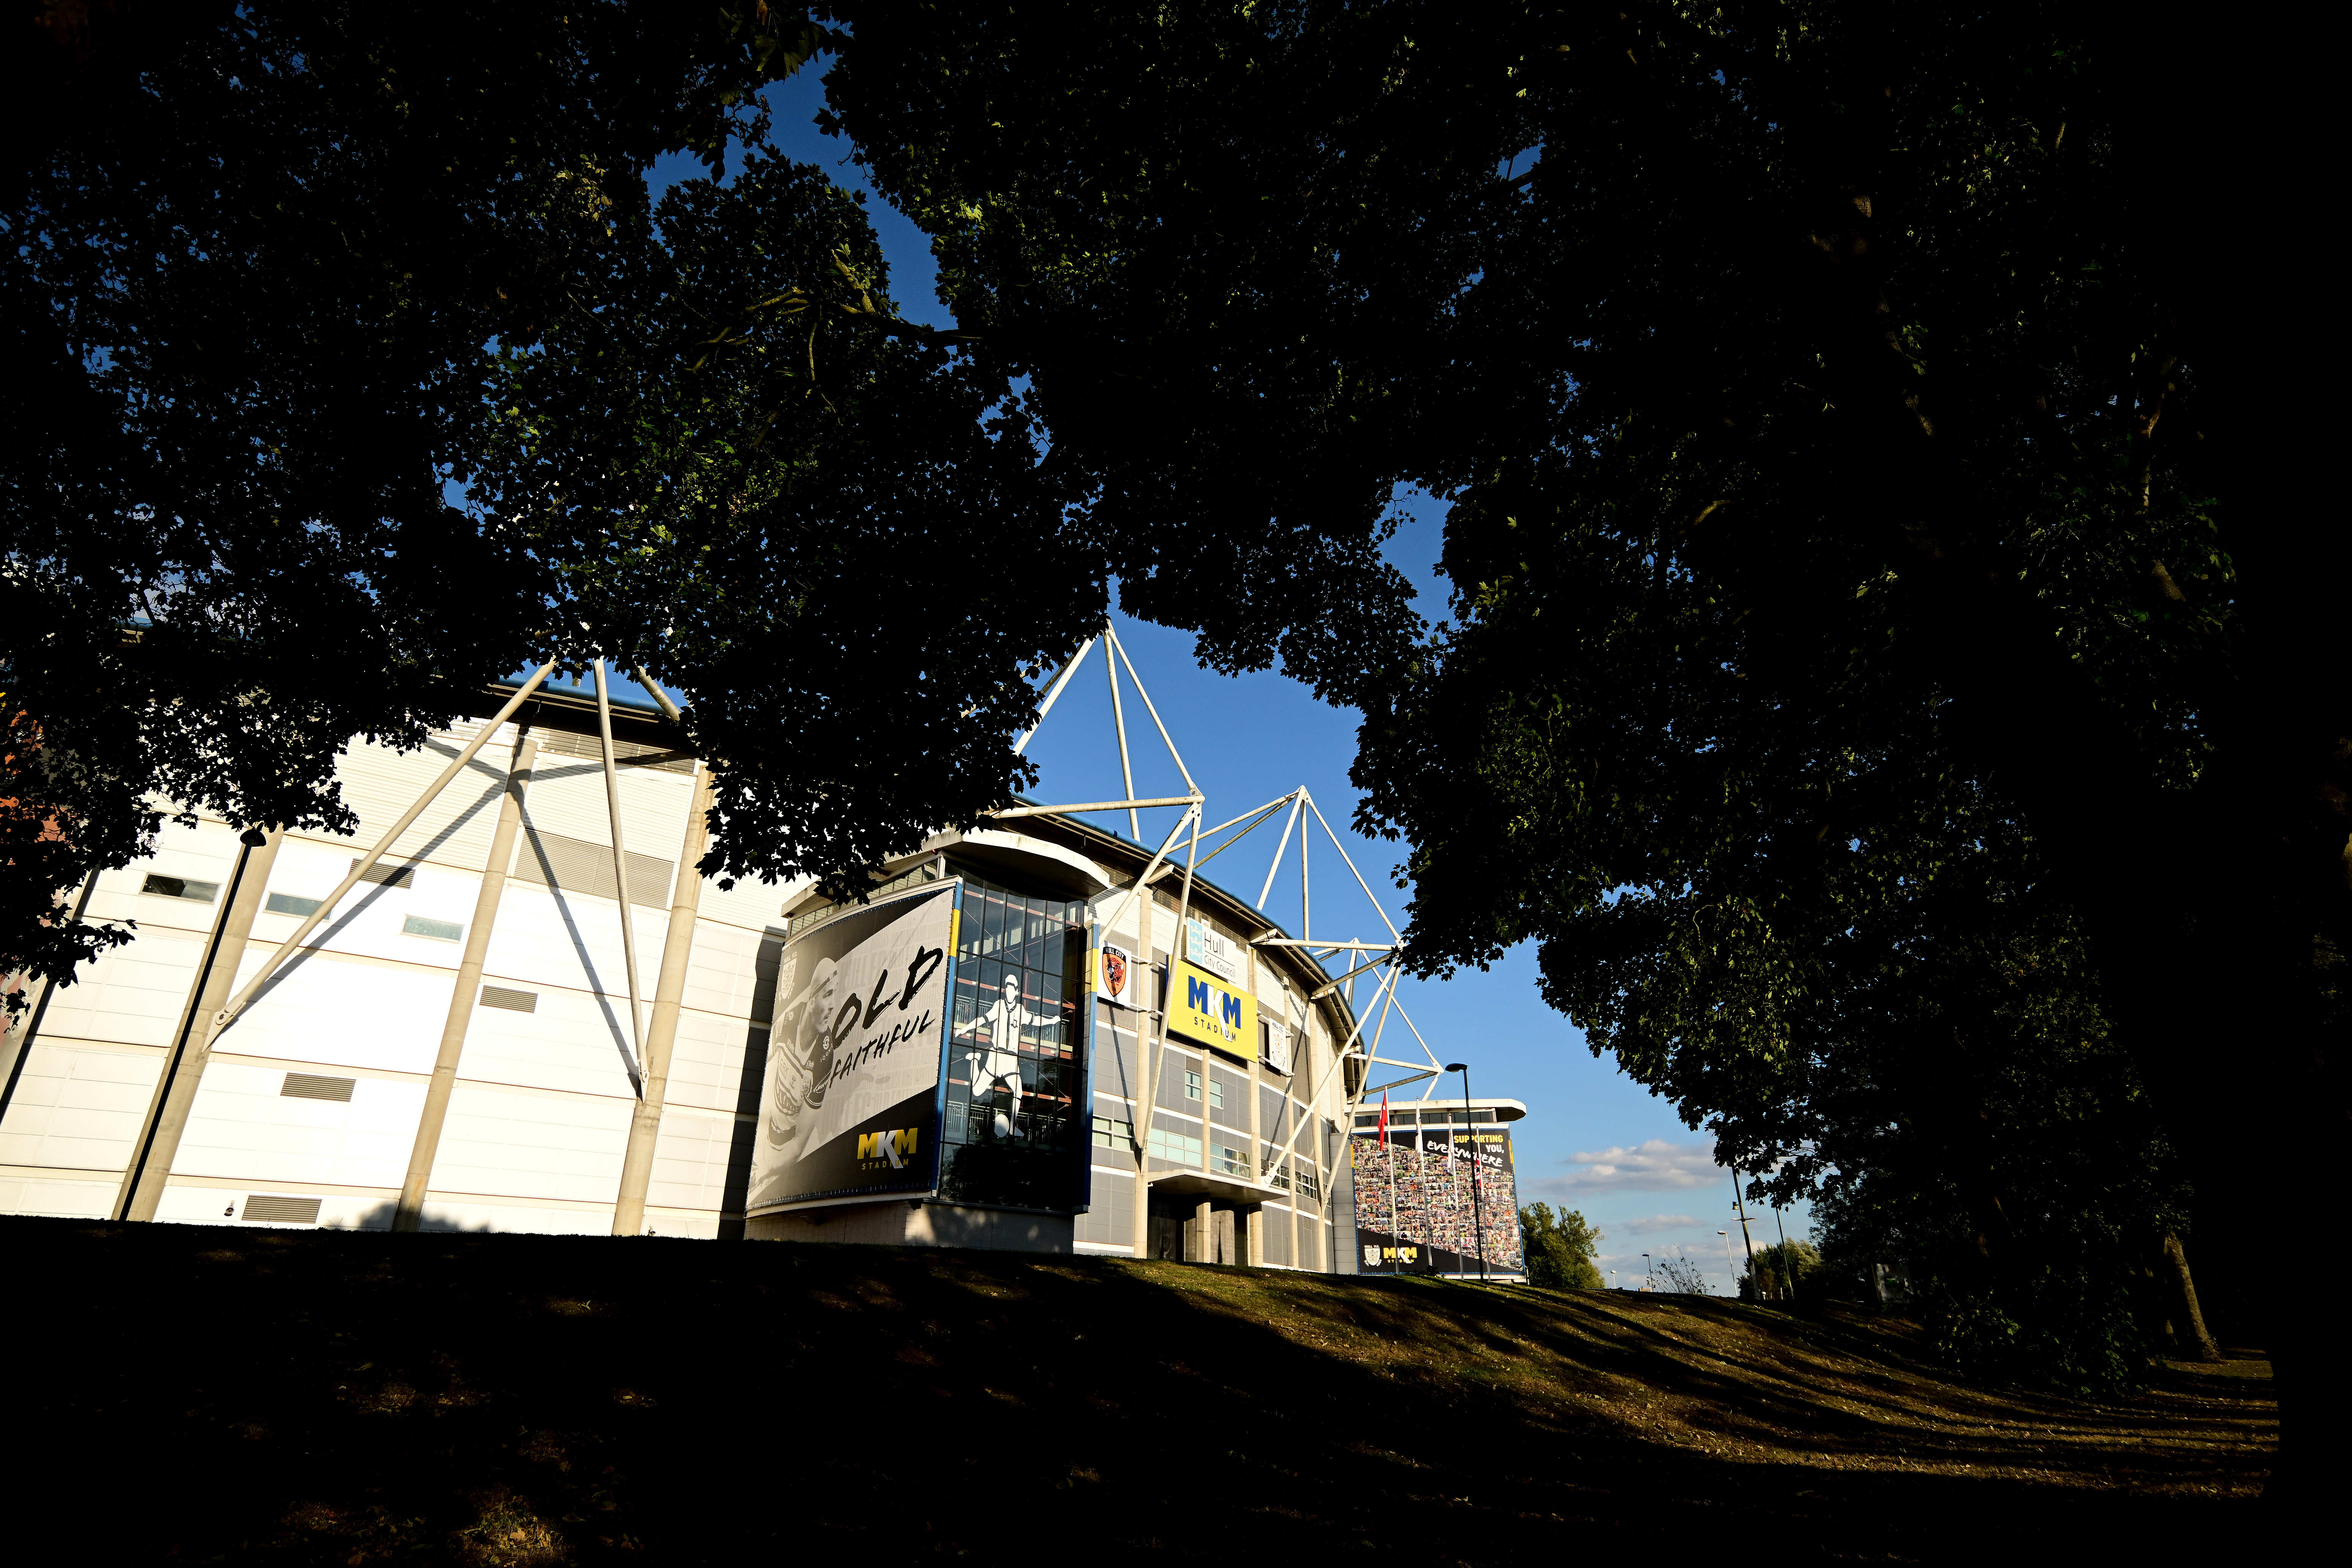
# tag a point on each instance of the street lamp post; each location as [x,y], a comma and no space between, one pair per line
[1645,1272]
[1478,1198]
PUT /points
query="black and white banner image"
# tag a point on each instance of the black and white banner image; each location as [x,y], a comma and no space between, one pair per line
[853,1055]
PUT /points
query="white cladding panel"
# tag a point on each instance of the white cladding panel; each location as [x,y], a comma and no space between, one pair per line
[722,974]
[548,938]
[62,1199]
[750,903]
[690,1161]
[317,1008]
[706,1063]
[379,784]
[206,853]
[242,1126]
[78,1107]
[499,1144]
[370,920]
[443,1212]
[572,1041]
[134,993]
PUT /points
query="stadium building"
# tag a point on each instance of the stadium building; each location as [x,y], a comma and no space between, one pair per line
[455,1043]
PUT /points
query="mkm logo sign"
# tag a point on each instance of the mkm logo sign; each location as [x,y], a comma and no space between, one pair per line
[1224,1004]
[1212,1011]
[896,1147]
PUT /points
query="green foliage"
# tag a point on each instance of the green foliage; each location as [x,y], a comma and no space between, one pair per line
[743,467]
[1779,1268]
[1220,240]
[1680,1275]
[1558,1248]
[256,259]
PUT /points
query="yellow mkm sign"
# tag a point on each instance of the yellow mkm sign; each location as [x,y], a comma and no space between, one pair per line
[895,1147]
[1211,1011]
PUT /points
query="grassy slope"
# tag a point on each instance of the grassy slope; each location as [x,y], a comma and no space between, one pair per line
[269,1396]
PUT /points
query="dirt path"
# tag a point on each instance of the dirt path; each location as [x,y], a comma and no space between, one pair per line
[321,1397]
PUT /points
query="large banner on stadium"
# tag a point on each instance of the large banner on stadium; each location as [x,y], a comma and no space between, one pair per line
[859,1029]
[1421,1196]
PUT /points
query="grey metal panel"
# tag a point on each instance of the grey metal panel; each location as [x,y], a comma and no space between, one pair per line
[1115,1058]
[1234,1112]
[1170,1091]
[625,754]
[579,866]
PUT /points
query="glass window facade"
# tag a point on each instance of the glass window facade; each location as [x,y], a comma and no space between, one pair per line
[1166,1145]
[1016,1128]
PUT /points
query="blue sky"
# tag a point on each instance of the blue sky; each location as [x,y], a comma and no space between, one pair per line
[1593,1139]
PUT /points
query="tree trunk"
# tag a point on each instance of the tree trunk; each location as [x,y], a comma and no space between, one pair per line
[2180,1294]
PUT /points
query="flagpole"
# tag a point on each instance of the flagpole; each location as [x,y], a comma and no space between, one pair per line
[1387,1154]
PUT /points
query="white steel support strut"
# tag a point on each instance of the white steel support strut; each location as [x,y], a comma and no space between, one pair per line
[1118,723]
[621,878]
[244,998]
[1275,864]
[1120,648]
[1054,693]
[1351,869]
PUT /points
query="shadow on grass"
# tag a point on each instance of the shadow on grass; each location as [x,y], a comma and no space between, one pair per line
[321,1396]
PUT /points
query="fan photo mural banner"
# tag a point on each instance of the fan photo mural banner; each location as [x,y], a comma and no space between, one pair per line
[851,1105]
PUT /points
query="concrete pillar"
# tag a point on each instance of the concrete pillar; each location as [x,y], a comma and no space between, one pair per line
[1145,1091]
[669,992]
[184,1069]
[410,1213]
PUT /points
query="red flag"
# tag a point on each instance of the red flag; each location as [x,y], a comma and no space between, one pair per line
[1384,1116]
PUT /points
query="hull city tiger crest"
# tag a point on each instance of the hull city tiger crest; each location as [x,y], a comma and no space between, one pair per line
[1114,976]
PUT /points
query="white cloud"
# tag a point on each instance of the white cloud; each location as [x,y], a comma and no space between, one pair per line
[1656,1166]
[1649,1225]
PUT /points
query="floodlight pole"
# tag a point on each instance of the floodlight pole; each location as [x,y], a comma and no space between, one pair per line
[1787,1269]
[1741,1209]
[1477,1199]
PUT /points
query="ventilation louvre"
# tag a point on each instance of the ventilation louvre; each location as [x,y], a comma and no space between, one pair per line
[511,1000]
[625,754]
[312,1086]
[388,876]
[577,866]
[282,1211]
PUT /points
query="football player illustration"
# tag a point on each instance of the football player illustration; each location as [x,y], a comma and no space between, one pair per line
[997,1061]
